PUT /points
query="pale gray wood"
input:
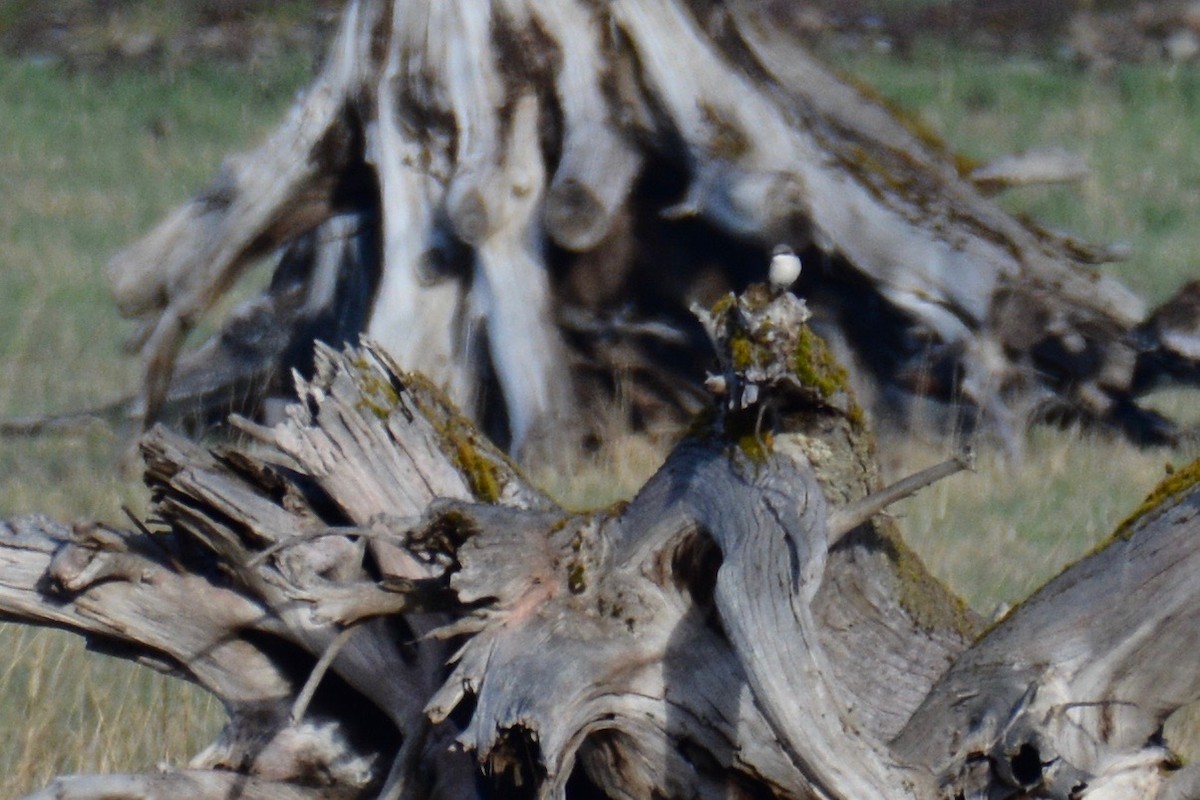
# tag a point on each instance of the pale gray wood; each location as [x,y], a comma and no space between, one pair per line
[496,128]
[1029,169]
[599,162]
[282,187]
[709,639]
[1079,678]
[388,609]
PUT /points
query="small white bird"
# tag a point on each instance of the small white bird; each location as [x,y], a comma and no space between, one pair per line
[785,268]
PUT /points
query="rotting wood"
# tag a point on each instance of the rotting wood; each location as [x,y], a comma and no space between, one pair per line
[544,187]
[388,609]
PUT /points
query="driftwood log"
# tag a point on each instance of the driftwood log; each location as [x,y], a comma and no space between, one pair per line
[386,608]
[520,199]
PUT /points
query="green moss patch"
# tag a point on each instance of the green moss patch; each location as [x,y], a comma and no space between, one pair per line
[1172,489]
[376,393]
[816,367]
[480,463]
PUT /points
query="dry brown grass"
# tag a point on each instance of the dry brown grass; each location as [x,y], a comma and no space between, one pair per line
[68,711]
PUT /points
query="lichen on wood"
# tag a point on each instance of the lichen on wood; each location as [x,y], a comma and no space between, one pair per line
[1170,490]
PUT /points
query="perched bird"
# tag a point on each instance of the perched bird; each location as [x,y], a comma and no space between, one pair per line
[785,268]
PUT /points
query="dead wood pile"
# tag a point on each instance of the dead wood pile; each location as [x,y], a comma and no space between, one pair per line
[387,609]
[522,198]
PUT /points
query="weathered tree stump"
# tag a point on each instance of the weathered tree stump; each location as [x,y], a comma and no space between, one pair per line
[387,608]
[520,199]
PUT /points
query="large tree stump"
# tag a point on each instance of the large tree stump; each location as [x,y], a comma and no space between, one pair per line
[387,609]
[521,198]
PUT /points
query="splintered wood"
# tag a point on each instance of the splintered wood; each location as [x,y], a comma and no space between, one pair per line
[387,609]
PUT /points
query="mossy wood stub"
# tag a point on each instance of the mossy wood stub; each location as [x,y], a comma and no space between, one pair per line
[387,608]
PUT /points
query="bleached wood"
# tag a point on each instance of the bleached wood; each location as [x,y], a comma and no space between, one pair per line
[599,163]
[709,639]
[637,99]
[1031,168]
[260,200]
[425,325]
[845,519]
[512,290]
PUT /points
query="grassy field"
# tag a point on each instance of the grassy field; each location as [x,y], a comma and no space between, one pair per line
[87,163]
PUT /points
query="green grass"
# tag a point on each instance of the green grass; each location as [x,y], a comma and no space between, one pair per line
[1138,129]
[1000,532]
[85,168]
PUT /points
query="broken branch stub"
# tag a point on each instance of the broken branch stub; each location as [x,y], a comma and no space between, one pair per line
[543,188]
